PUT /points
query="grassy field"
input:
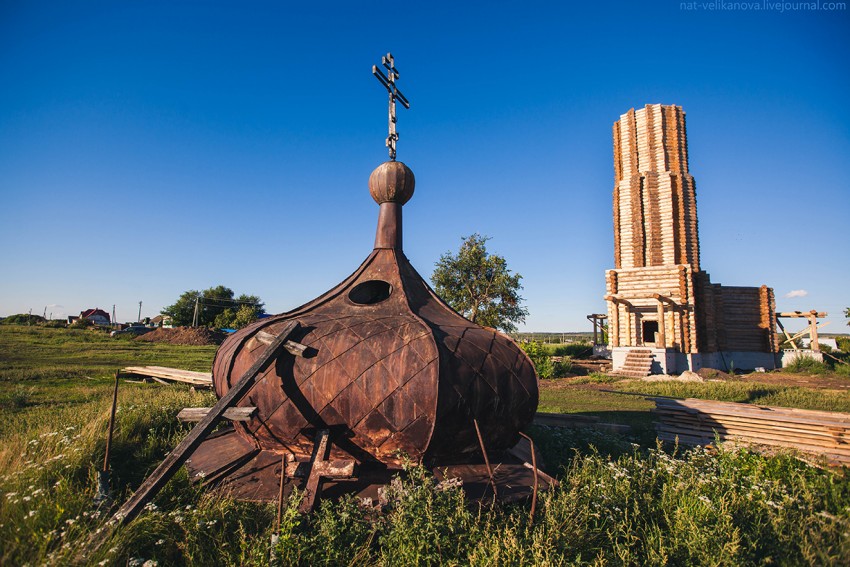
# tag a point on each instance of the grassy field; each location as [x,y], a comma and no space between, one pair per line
[622,499]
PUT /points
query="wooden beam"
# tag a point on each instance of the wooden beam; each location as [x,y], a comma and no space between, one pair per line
[295,349]
[174,460]
[802,314]
[662,339]
[174,374]
[320,468]
[233,414]
[813,333]
[788,338]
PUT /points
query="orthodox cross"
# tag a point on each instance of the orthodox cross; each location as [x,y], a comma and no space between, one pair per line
[388,81]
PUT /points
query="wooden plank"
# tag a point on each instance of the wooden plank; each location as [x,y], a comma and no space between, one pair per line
[698,422]
[295,349]
[233,414]
[175,374]
[175,459]
[789,427]
[734,408]
[813,417]
[707,440]
[792,420]
[755,434]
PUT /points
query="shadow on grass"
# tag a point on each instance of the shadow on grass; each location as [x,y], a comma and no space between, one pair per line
[559,445]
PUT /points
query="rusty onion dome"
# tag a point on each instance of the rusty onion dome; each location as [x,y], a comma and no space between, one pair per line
[392,370]
[392,182]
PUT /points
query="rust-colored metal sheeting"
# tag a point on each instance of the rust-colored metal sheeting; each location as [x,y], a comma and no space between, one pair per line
[390,368]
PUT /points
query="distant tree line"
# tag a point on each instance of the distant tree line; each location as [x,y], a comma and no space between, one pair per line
[216,307]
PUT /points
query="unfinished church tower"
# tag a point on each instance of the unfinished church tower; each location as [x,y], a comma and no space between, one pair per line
[664,313]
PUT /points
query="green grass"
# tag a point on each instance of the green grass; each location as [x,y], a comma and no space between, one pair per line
[746,392]
[621,500]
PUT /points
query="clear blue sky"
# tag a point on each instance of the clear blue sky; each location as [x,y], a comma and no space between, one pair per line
[147,148]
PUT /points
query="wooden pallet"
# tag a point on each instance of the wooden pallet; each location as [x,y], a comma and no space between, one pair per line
[163,373]
[701,422]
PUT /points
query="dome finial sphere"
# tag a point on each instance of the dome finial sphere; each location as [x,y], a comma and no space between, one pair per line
[392,182]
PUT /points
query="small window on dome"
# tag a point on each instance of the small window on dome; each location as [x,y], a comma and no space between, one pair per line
[370,292]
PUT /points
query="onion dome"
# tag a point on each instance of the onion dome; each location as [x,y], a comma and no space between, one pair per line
[394,370]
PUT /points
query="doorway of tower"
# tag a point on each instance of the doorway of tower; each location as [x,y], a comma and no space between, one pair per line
[649,329]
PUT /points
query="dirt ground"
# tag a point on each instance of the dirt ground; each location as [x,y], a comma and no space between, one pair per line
[827,381]
[184,336]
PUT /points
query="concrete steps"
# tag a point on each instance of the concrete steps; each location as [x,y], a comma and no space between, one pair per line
[638,364]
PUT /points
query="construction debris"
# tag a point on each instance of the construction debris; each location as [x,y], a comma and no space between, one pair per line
[164,374]
[701,422]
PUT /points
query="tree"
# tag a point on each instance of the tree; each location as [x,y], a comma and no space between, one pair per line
[211,304]
[847,314]
[479,285]
[232,318]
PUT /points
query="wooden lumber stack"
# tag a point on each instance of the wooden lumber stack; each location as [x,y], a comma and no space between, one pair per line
[165,374]
[697,422]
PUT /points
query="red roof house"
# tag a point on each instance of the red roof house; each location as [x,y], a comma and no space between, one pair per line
[96,316]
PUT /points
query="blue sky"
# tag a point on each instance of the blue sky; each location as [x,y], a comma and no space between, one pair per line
[147,148]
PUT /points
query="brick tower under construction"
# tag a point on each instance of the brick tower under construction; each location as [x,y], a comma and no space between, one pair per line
[661,307]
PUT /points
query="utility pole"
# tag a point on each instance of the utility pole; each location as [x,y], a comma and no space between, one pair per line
[195,316]
[139,320]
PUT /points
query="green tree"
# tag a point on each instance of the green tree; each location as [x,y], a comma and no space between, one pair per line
[237,318]
[479,285]
[847,314]
[211,303]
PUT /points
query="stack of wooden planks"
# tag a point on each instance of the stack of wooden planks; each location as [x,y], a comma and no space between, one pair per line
[165,374]
[696,422]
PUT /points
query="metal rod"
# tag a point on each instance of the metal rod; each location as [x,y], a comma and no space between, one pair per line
[280,492]
[534,467]
[486,460]
[111,423]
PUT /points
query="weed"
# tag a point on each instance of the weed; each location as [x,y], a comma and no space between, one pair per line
[596,378]
[806,365]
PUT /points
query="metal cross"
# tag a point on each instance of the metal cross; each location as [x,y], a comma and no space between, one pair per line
[388,81]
